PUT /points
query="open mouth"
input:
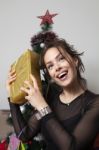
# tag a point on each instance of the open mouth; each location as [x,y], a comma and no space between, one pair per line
[63,75]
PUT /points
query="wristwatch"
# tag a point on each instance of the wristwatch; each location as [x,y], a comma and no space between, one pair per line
[43,112]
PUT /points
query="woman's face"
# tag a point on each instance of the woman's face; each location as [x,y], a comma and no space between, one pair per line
[59,69]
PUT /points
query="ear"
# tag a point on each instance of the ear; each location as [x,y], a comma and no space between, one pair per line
[76,62]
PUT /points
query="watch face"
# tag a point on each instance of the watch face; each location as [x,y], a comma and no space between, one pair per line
[43,112]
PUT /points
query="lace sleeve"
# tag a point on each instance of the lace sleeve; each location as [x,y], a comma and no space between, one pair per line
[83,134]
[25,130]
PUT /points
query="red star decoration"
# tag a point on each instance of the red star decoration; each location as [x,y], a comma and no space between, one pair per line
[47,18]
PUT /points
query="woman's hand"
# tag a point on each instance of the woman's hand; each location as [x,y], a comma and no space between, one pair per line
[34,95]
[11,78]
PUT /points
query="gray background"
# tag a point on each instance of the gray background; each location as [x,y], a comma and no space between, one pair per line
[77,21]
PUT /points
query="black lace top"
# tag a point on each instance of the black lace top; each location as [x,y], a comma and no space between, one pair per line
[68,127]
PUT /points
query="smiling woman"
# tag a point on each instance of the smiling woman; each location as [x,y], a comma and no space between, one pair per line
[62,57]
[67,113]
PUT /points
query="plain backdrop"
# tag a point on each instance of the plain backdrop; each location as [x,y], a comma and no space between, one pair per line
[77,21]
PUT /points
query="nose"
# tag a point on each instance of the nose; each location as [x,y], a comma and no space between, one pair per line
[57,67]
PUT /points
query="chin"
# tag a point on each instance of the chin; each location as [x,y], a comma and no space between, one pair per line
[63,84]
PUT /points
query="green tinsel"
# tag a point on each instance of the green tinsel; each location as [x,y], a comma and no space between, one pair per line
[46,27]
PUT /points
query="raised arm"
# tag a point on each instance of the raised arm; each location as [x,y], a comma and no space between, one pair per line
[25,130]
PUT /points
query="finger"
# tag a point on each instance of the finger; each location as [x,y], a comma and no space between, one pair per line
[10,68]
[24,90]
[12,72]
[28,84]
[12,79]
[12,76]
[34,81]
[27,98]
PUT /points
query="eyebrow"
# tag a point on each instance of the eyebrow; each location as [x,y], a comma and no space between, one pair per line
[49,62]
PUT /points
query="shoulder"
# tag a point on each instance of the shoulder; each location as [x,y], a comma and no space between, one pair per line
[91,99]
[90,96]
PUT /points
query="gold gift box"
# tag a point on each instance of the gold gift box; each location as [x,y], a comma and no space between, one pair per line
[27,63]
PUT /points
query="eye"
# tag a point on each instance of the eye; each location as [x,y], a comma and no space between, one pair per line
[61,58]
[49,67]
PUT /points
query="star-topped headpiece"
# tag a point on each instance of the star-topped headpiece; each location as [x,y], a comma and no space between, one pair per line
[40,40]
[47,18]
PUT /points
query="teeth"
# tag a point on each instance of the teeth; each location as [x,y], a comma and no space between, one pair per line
[63,73]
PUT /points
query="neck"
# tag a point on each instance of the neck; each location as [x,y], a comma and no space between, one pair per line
[70,93]
[72,90]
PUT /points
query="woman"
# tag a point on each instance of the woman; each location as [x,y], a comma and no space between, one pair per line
[68,116]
